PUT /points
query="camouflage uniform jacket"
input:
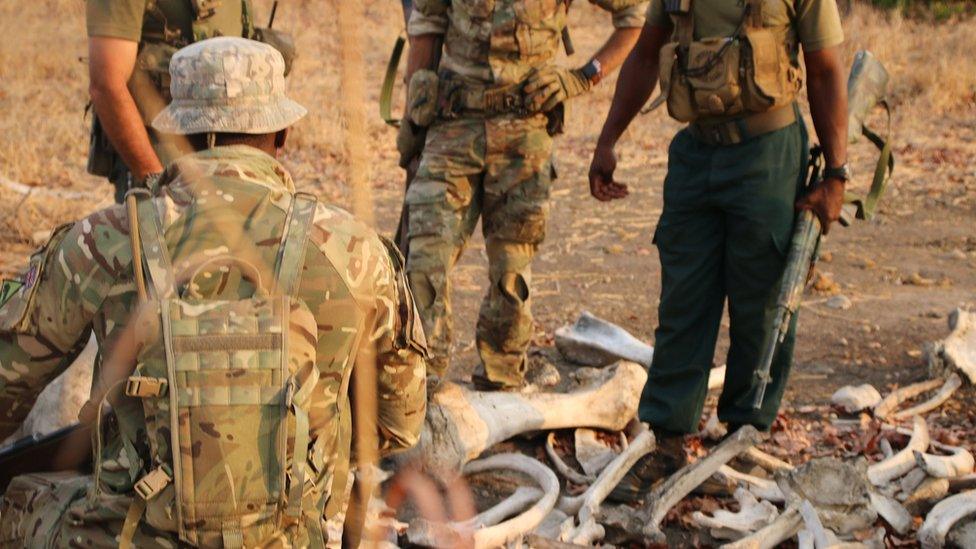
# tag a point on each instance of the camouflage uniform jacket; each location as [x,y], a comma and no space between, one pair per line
[500,41]
[229,198]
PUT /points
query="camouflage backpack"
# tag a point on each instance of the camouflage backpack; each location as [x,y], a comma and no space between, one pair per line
[226,387]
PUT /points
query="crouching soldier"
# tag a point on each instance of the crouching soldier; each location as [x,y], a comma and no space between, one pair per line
[233,309]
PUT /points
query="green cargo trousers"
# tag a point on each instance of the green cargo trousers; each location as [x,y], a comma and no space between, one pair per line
[498,169]
[723,235]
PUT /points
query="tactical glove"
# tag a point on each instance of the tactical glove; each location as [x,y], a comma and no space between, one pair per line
[410,142]
[549,86]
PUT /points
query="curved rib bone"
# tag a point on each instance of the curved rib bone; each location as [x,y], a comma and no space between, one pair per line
[943,516]
[949,387]
[689,477]
[896,397]
[561,466]
[958,464]
[770,463]
[521,498]
[461,423]
[761,487]
[897,465]
[781,529]
[753,515]
[893,512]
[588,503]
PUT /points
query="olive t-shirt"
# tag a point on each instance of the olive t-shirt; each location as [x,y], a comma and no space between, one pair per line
[814,24]
[134,19]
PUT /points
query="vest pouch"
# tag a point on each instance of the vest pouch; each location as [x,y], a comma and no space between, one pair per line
[713,74]
[771,79]
[675,85]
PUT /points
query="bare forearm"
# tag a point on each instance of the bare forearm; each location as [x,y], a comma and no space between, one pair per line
[425,53]
[635,85]
[827,91]
[616,48]
[123,124]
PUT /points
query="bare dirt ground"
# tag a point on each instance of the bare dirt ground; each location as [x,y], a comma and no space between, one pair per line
[904,272]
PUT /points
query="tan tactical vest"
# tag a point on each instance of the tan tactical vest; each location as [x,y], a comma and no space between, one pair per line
[751,71]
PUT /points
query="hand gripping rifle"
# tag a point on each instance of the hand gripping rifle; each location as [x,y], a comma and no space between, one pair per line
[866,89]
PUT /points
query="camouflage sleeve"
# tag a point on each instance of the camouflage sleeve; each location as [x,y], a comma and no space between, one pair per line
[401,352]
[428,17]
[626,13]
[45,319]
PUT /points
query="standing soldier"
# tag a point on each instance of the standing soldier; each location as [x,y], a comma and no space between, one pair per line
[735,174]
[485,98]
[129,48]
[233,428]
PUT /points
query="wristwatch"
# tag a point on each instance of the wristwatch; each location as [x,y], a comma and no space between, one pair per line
[842,172]
[593,71]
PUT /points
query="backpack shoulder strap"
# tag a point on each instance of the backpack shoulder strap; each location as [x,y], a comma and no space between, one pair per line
[682,16]
[154,252]
[755,15]
[291,252]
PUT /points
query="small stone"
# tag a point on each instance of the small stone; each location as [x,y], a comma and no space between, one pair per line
[826,256]
[614,249]
[914,353]
[840,301]
[825,284]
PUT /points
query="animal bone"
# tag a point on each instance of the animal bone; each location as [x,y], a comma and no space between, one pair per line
[521,498]
[896,397]
[593,341]
[770,463]
[679,485]
[836,488]
[897,465]
[943,394]
[716,377]
[958,350]
[804,539]
[956,465]
[714,429]
[930,492]
[886,449]
[853,399]
[821,539]
[461,423]
[910,482]
[592,453]
[943,516]
[760,487]
[561,466]
[753,515]
[783,528]
[960,484]
[893,512]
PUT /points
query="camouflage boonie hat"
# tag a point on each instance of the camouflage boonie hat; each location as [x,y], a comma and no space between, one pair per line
[228,85]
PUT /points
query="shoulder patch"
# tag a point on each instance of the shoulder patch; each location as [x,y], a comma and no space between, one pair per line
[17,295]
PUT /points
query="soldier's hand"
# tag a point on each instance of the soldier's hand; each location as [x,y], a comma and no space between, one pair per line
[602,185]
[549,86]
[825,200]
[410,142]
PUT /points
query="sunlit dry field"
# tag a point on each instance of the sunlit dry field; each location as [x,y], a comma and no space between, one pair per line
[903,272]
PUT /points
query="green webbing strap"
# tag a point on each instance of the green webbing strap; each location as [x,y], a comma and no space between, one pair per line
[386,92]
[294,237]
[154,251]
[299,459]
[867,205]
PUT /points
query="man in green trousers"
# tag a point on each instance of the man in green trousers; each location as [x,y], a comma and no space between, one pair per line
[735,179]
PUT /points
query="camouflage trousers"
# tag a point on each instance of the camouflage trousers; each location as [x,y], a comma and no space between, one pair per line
[500,170]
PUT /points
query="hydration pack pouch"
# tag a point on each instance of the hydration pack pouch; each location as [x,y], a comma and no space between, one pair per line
[714,76]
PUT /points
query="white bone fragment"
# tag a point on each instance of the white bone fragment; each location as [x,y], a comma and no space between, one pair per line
[804,539]
[902,462]
[931,491]
[679,485]
[783,528]
[593,341]
[957,352]
[853,399]
[518,501]
[752,515]
[960,463]
[821,540]
[587,532]
[762,488]
[896,397]
[716,377]
[592,453]
[943,394]
[550,526]
[714,429]
[963,483]
[587,504]
[943,516]
[461,423]
[770,463]
[910,482]
[561,466]
[893,512]
[886,448]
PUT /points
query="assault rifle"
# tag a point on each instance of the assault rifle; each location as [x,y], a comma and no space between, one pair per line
[866,89]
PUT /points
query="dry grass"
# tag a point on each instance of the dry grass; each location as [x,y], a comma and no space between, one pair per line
[43,81]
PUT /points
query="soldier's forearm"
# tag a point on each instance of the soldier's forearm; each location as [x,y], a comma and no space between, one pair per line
[616,48]
[637,80]
[827,90]
[425,53]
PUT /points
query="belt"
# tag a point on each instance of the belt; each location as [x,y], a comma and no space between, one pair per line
[733,132]
[460,98]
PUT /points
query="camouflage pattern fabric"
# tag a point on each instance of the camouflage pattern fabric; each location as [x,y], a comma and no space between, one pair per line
[228,85]
[495,167]
[224,200]
[501,169]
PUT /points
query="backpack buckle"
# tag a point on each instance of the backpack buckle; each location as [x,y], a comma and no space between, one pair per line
[152,484]
[145,387]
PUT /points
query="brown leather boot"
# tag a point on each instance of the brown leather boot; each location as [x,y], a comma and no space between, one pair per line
[667,458]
